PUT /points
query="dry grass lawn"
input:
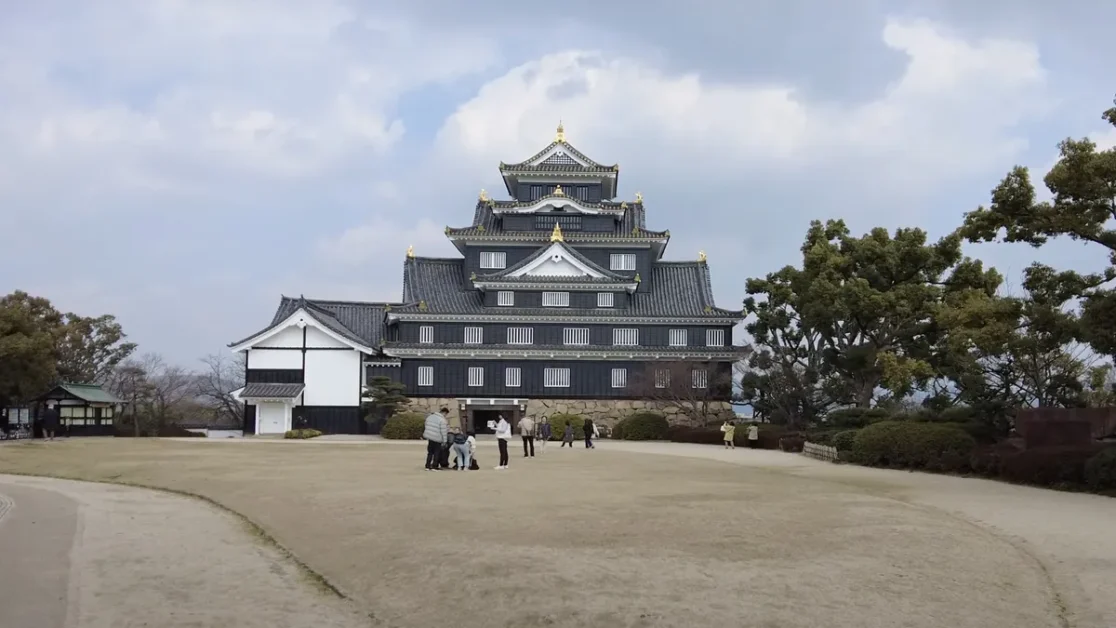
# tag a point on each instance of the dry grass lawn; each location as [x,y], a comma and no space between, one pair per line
[587,538]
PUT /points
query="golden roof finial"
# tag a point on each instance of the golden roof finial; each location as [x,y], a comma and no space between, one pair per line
[483,196]
[560,134]
[558,191]
[639,197]
[556,235]
[701,256]
[411,252]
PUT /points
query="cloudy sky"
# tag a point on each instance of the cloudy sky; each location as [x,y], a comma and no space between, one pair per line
[183,163]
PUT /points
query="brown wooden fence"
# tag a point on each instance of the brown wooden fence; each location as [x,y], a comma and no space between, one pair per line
[1058,427]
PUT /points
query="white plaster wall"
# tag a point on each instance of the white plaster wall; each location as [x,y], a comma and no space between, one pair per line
[332,378]
[288,337]
[318,338]
[276,359]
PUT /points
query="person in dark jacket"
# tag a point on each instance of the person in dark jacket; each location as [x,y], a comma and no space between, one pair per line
[51,421]
[567,436]
[545,431]
[588,433]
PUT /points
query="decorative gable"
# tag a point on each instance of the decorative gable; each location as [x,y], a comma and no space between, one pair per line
[557,261]
[559,154]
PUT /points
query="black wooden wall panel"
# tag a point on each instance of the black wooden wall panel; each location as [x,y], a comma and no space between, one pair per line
[249,419]
[274,376]
[330,419]
[552,334]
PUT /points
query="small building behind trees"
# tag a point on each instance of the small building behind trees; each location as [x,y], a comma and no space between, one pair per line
[85,409]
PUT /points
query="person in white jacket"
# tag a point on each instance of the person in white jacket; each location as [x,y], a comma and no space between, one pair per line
[503,433]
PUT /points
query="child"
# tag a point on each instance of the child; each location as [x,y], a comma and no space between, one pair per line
[753,436]
[545,433]
[730,432]
[567,436]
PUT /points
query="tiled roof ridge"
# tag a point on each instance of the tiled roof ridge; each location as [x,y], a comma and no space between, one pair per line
[569,147]
[313,301]
[441,260]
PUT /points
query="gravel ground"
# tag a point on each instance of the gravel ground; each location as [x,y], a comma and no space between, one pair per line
[627,536]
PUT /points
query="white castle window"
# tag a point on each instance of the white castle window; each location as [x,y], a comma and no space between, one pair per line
[622,261]
[493,259]
[505,298]
[521,335]
[604,299]
[714,337]
[476,376]
[575,336]
[426,334]
[556,299]
[512,377]
[678,337]
[619,378]
[426,376]
[556,378]
[625,337]
[474,335]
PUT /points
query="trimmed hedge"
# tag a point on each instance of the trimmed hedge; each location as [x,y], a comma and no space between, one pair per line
[1054,467]
[302,434]
[855,417]
[559,421]
[404,426]
[1100,470]
[898,444]
[643,426]
[843,441]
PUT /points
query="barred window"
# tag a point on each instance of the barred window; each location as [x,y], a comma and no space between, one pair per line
[505,297]
[622,261]
[556,378]
[604,299]
[493,259]
[426,376]
[625,337]
[678,337]
[511,376]
[714,337]
[476,376]
[426,334]
[619,378]
[474,335]
[575,336]
[701,378]
[521,335]
[662,378]
[556,299]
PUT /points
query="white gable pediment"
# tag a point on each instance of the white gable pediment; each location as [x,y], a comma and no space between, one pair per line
[559,155]
[552,203]
[300,318]
[556,261]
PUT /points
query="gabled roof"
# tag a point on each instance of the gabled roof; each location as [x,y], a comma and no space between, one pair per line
[561,159]
[270,391]
[89,393]
[357,321]
[679,290]
[516,271]
[487,226]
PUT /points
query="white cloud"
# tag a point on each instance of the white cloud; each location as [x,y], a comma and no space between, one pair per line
[383,240]
[952,111]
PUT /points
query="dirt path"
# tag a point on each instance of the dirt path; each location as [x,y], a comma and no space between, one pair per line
[79,555]
[1072,536]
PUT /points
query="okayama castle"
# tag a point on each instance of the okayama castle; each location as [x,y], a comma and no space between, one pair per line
[559,302]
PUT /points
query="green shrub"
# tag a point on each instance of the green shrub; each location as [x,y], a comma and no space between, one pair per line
[940,447]
[404,426]
[792,443]
[699,435]
[645,426]
[1055,467]
[302,433]
[559,421]
[618,430]
[1100,470]
[957,414]
[843,441]
[824,436]
[855,417]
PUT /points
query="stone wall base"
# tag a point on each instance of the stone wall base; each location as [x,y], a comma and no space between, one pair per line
[603,411]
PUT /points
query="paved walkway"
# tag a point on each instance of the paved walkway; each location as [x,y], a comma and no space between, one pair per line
[82,555]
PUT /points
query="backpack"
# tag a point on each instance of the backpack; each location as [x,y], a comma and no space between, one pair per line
[460,439]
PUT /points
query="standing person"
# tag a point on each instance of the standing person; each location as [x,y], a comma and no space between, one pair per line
[753,436]
[503,433]
[527,431]
[436,432]
[729,429]
[567,436]
[461,448]
[545,431]
[589,427]
[51,420]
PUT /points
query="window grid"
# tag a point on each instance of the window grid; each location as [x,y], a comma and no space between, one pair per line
[474,335]
[476,376]
[521,335]
[662,378]
[700,378]
[625,337]
[714,337]
[622,261]
[678,337]
[426,376]
[493,259]
[576,336]
[505,298]
[556,377]
[556,299]
[426,334]
[604,299]
[511,377]
[619,378]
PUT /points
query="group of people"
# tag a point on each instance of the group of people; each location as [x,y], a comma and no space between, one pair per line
[729,431]
[441,440]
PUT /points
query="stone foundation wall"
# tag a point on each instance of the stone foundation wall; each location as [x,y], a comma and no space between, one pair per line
[603,411]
